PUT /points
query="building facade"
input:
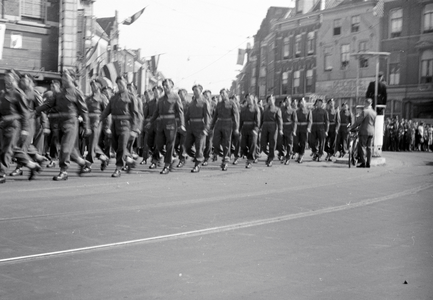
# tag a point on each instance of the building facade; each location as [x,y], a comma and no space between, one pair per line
[407,33]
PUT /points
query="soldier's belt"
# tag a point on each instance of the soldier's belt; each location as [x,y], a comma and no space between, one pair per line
[302,123]
[319,123]
[269,122]
[344,124]
[224,119]
[64,114]
[249,123]
[120,117]
[11,117]
[287,123]
[167,116]
[94,114]
[196,119]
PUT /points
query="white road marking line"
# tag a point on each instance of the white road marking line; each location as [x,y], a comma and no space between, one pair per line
[220,229]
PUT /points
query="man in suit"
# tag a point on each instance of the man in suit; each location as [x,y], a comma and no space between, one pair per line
[366,122]
[381,92]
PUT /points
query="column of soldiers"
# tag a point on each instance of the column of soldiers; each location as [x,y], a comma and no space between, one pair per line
[160,126]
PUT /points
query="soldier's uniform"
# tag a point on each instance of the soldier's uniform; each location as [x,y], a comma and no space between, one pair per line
[225,119]
[96,104]
[197,119]
[152,130]
[168,107]
[249,128]
[125,119]
[209,138]
[319,130]
[179,144]
[272,124]
[290,119]
[14,121]
[236,140]
[343,132]
[69,103]
[334,126]
[305,122]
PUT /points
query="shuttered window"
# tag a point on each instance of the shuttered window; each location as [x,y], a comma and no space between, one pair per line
[33,9]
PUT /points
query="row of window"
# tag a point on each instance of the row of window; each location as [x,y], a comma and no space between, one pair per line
[395,22]
[34,9]
[297,46]
[426,76]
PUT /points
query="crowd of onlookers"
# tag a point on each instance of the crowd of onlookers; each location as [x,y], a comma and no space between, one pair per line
[407,135]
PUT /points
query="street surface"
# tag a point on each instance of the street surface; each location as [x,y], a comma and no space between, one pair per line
[318,230]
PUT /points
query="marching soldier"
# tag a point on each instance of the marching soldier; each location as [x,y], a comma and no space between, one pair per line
[36,131]
[69,103]
[209,138]
[225,120]
[290,119]
[197,118]
[320,130]
[169,106]
[272,125]
[343,132]
[148,95]
[305,121]
[334,126]
[236,138]
[96,104]
[52,139]
[249,128]
[125,122]
[179,145]
[14,125]
[153,127]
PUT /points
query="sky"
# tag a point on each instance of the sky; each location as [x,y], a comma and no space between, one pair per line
[198,39]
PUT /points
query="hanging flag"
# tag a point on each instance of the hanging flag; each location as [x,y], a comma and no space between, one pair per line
[379,9]
[91,55]
[133,18]
[241,56]
[154,63]
[2,38]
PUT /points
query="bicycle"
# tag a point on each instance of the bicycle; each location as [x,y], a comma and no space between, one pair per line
[352,148]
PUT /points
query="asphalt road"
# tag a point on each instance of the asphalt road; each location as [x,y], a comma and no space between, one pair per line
[309,231]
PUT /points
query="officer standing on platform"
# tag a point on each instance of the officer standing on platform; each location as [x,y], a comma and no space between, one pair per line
[381,93]
[334,126]
[197,119]
[225,120]
[290,120]
[169,106]
[125,117]
[272,125]
[305,121]
[320,130]
[249,128]
[69,103]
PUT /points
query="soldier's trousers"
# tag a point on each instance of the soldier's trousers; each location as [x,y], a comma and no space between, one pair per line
[342,139]
[236,145]
[166,137]
[222,139]
[331,140]
[144,145]
[269,135]
[208,145]
[249,143]
[287,142]
[120,133]
[93,149]
[68,137]
[179,145]
[196,139]
[300,142]
[9,140]
[318,138]
[151,142]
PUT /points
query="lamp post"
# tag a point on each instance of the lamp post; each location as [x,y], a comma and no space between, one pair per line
[378,128]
